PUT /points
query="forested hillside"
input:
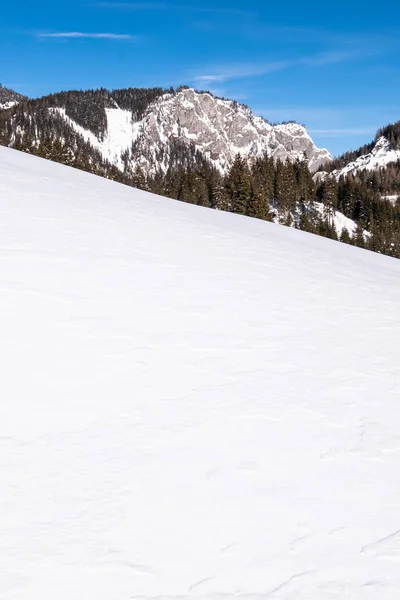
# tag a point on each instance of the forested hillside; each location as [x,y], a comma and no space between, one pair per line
[9,97]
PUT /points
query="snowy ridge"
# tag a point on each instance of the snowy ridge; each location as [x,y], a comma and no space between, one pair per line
[219,129]
[194,404]
[380,156]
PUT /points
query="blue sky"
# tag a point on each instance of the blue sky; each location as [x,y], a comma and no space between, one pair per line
[333,66]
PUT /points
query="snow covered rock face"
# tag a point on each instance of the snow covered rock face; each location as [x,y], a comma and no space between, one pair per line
[194,404]
[221,129]
[218,128]
[379,157]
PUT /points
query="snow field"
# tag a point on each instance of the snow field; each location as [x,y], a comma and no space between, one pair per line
[194,404]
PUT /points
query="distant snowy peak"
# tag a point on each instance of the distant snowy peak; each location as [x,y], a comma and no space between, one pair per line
[218,129]
[380,156]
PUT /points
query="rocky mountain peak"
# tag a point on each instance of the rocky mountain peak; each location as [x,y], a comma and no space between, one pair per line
[221,128]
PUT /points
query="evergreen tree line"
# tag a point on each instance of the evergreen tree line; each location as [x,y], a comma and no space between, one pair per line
[391,133]
[74,152]
[359,198]
[7,95]
[86,108]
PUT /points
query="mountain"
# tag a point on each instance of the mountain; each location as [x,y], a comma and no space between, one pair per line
[195,404]
[149,128]
[380,154]
[9,98]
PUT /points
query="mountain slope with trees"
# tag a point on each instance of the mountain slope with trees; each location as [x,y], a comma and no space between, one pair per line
[351,207]
[140,127]
[9,98]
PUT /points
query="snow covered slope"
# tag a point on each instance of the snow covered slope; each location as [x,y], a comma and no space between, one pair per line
[338,219]
[7,105]
[219,129]
[193,404]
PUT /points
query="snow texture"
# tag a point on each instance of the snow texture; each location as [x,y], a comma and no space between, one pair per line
[195,404]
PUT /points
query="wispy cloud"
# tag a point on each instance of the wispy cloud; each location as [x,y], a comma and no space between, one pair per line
[240,71]
[226,73]
[335,56]
[82,35]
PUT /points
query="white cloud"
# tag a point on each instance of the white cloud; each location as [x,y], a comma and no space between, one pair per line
[226,73]
[335,56]
[211,78]
[82,35]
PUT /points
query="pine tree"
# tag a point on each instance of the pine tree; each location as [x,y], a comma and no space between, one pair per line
[285,188]
[215,190]
[262,188]
[238,186]
[138,178]
[358,237]
[345,236]
[305,183]
[328,196]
